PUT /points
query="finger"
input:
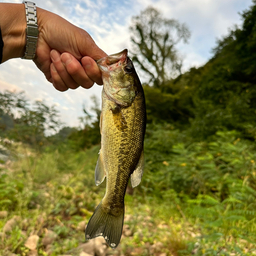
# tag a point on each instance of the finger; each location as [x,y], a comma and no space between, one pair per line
[76,71]
[43,60]
[56,79]
[92,70]
[62,71]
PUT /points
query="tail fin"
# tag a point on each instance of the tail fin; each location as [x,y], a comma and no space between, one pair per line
[106,225]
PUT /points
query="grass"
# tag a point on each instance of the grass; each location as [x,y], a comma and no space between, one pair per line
[54,190]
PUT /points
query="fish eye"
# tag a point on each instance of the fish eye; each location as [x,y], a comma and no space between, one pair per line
[128,68]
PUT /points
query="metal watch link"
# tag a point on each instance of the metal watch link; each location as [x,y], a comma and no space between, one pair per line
[31,30]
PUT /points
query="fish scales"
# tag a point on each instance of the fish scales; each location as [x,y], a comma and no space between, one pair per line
[123,121]
[125,154]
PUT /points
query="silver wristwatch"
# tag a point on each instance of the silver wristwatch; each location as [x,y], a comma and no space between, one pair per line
[31,30]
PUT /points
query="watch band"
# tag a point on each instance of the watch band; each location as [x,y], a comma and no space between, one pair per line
[31,30]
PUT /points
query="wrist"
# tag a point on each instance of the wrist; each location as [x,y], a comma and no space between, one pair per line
[31,30]
[13,25]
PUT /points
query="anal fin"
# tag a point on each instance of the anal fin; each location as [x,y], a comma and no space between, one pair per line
[138,172]
[99,171]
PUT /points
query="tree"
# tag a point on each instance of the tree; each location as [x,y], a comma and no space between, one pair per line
[154,40]
[225,94]
[89,133]
[22,121]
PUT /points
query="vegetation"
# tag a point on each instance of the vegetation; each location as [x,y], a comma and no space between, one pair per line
[198,192]
[154,47]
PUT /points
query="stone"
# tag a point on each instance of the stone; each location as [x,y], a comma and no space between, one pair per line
[81,226]
[49,237]
[156,247]
[10,254]
[85,254]
[3,214]
[31,242]
[32,253]
[126,230]
[10,224]
[100,246]
[96,246]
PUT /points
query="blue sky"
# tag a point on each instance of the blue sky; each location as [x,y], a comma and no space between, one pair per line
[108,21]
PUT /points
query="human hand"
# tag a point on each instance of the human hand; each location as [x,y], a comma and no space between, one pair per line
[65,53]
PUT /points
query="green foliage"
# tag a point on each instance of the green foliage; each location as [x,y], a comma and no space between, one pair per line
[220,96]
[225,95]
[86,136]
[22,121]
[169,104]
[9,189]
[214,179]
[204,167]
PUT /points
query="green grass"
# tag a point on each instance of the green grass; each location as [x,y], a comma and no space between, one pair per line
[194,198]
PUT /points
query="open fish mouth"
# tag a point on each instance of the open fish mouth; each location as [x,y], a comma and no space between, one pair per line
[107,63]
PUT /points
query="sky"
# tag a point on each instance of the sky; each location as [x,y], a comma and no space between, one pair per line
[107,21]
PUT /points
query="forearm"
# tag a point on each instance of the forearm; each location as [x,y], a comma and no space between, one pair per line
[13,26]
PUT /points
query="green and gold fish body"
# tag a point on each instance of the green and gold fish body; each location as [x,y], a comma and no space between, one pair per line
[123,121]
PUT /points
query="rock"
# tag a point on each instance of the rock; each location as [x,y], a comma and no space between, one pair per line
[25,224]
[100,246]
[10,254]
[81,226]
[49,237]
[10,224]
[128,218]
[85,254]
[87,247]
[31,242]
[127,231]
[3,214]
[49,249]
[96,246]
[32,253]
[156,247]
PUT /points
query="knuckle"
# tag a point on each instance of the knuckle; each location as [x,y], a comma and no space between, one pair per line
[60,88]
[87,84]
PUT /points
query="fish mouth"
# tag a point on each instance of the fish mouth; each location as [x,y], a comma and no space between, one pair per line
[114,60]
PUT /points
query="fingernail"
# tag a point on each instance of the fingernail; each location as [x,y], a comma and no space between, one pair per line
[88,66]
[66,59]
[54,55]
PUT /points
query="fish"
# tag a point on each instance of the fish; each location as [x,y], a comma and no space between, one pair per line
[121,157]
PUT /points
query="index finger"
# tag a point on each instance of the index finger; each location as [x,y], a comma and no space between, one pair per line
[92,70]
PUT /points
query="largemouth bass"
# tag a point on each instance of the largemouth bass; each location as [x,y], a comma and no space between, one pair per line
[122,123]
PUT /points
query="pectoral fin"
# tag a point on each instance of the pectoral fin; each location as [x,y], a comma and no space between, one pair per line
[99,171]
[138,172]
